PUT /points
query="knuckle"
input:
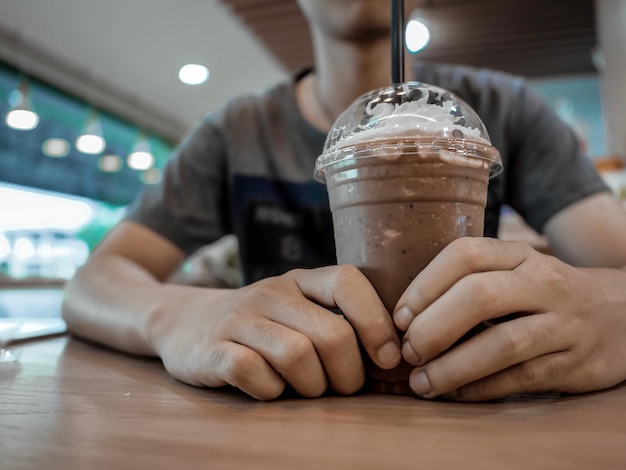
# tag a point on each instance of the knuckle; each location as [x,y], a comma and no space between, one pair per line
[512,343]
[263,291]
[294,353]
[294,273]
[551,273]
[528,374]
[557,368]
[336,335]
[206,372]
[470,250]
[527,250]
[516,342]
[347,274]
[216,356]
[238,365]
[580,340]
[199,366]
[591,373]
[265,332]
[477,288]
[535,375]
[380,327]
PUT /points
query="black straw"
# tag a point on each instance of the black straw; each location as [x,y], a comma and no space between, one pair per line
[397,41]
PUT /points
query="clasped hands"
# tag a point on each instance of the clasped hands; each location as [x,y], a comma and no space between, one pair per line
[564,328]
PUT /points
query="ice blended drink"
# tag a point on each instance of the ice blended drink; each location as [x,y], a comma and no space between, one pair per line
[407,169]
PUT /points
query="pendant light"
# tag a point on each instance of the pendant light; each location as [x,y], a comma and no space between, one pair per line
[91,140]
[21,116]
[141,158]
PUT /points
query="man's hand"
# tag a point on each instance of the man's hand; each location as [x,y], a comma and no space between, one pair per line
[277,331]
[569,334]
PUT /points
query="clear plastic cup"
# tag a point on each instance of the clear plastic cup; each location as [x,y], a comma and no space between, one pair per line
[407,169]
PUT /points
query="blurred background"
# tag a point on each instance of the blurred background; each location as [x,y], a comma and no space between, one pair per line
[95,95]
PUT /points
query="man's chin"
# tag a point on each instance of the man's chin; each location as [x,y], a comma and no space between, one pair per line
[350,20]
[364,33]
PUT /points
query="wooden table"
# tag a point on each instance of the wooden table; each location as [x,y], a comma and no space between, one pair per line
[72,405]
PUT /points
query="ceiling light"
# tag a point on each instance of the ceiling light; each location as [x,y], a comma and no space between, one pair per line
[91,140]
[56,147]
[90,144]
[21,116]
[141,157]
[110,163]
[23,248]
[417,36]
[140,160]
[151,176]
[22,119]
[193,74]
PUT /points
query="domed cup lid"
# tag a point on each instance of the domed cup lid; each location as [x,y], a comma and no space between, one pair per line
[409,116]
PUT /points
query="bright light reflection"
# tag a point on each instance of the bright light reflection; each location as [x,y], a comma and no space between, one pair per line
[31,210]
[140,160]
[193,74]
[5,246]
[110,163]
[90,144]
[151,176]
[56,147]
[23,248]
[22,119]
[417,36]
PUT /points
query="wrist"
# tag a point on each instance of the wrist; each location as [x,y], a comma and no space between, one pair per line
[172,304]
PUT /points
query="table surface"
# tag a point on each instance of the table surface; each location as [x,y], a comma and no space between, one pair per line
[71,405]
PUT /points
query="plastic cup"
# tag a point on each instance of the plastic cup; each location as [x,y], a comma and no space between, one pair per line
[407,170]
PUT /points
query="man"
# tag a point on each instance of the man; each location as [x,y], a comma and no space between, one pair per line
[248,169]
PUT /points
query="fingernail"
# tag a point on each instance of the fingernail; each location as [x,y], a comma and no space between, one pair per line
[409,354]
[420,384]
[388,354]
[403,318]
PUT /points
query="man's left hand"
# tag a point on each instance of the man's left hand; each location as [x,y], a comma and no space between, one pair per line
[567,334]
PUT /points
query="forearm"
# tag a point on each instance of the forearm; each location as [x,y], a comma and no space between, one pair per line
[115,302]
[590,233]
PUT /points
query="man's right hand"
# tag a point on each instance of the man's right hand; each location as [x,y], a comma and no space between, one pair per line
[257,338]
[277,331]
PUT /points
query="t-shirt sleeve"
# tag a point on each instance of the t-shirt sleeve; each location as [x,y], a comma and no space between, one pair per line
[189,206]
[548,170]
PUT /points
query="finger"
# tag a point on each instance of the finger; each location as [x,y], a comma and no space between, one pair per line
[549,373]
[474,299]
[289,352]
[230,363]
[333,339]
[347,288]
[494,350]
[459,259]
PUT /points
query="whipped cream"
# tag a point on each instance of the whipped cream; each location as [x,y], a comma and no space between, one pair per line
[408,110]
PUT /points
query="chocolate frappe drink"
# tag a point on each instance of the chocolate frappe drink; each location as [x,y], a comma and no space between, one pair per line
[407,169]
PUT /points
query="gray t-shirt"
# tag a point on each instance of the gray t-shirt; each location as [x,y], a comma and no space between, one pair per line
[248,169]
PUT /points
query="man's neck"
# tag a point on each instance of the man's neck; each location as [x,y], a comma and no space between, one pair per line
[343,72]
